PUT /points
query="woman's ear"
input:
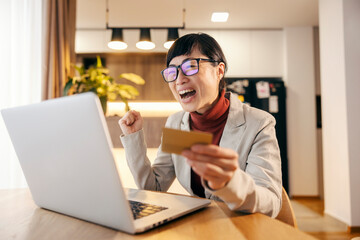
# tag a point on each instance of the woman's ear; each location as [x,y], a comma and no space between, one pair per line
[221,70]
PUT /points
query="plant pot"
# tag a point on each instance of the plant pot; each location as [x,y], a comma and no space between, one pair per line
[103,101]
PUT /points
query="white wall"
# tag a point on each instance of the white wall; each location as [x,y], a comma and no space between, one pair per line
[301,112]
[352,72]
[340,58]
[250,53]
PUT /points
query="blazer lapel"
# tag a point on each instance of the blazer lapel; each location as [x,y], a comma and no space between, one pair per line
[186,173]
[234,128]
[185,122]
[235,124]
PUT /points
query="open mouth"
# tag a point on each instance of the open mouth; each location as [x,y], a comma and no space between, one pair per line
[187,93]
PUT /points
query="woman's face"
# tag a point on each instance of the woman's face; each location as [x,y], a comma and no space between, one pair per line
[200,91]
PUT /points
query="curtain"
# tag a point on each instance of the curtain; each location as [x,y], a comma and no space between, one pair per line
[59,45]
[37,46]
[20,67]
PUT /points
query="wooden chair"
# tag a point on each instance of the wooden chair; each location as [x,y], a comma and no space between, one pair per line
[286,213]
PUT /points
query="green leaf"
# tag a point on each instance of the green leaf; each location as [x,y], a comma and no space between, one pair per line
[99,64]
[129,89]
[93,75]
[98,80]
[78,88]
[103,71]
[81,70]
[112,96]
[67,87]
[125,94]
[133,78]
[127,107]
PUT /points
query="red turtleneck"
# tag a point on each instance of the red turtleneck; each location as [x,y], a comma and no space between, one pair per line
[212,121]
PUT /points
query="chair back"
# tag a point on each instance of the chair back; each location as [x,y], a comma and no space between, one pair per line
[286,213]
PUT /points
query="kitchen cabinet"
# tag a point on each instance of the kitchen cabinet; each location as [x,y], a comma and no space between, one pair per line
[250,53]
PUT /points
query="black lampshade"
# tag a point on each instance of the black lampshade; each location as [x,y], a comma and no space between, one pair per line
[117,35]
[145,34]
[173,34]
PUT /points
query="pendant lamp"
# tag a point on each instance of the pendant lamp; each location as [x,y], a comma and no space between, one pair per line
[117,40]
[173,34]
[145,42]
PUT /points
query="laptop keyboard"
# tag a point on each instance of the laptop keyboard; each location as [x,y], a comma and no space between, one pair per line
[140,209]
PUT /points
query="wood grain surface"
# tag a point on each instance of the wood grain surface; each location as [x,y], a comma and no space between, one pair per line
[20,218]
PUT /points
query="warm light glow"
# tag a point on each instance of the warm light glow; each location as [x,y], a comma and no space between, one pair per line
[145,45]
[117,45]
[219,16]
[147,109]
[168,44]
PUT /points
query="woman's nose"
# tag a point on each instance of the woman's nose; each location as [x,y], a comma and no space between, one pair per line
[181,79]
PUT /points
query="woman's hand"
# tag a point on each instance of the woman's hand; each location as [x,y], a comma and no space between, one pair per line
[214,164]
[131,122]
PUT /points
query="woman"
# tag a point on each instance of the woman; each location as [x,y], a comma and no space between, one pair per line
[241,167]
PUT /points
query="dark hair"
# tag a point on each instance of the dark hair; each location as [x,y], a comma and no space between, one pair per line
[206,44]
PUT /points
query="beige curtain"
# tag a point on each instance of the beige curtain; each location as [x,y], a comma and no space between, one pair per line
[59,45]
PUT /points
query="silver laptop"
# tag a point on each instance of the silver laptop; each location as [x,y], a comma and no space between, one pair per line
[65,152]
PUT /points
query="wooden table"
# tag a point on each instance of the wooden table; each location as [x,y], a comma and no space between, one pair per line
[20,218]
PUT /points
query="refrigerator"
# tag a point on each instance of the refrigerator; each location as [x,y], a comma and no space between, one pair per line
[268,94]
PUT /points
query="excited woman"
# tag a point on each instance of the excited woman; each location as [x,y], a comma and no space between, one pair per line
[241,167]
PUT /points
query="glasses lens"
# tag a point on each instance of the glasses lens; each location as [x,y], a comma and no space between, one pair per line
[170,74]
[190,67]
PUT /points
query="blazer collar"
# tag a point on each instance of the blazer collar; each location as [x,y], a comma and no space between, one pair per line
[236,114]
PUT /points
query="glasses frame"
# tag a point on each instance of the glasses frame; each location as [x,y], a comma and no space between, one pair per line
[180,66]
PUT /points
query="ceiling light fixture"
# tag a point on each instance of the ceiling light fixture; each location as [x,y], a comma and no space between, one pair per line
[145,42]
[173,34]
[219,16]
[117,40]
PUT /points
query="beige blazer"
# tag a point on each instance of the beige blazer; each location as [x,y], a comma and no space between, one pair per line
[256,185]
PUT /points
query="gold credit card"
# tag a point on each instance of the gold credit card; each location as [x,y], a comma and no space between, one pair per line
[175,141]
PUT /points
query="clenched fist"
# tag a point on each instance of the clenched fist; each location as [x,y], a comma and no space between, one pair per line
[131,122]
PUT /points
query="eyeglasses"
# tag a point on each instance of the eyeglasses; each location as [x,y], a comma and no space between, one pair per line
[189,67]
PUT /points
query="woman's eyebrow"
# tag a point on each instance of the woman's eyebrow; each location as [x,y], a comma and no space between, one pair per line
[174,65]
[186,59]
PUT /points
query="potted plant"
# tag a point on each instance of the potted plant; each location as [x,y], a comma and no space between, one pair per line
[97,80]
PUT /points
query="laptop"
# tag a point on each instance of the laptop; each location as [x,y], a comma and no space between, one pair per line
[65,152]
